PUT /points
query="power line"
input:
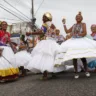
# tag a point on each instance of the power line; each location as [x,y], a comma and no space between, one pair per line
[39,6]
[18,15]
[16,9]
[10,12]
[9,19]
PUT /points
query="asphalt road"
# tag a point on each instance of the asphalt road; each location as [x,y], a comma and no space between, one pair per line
[63,85]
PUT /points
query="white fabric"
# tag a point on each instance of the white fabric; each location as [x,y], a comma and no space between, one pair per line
[76,48]
[22,58]
[5,59]
[47,47]
[43,56]
[94,37]
[68,65]
[7,52]
[49,23]
[4,64]
[15,39]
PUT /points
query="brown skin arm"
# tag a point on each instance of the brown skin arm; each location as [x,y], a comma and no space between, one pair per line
[1,50]
[30,41]
[67,30]
[37,33]
[0,53]
[84,30]
[22,47]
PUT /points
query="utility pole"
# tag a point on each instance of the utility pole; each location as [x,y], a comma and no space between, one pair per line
[34,28]
[33,20]
[32,9]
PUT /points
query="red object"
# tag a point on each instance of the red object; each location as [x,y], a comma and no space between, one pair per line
[39,32]
[93,34]
[4,36]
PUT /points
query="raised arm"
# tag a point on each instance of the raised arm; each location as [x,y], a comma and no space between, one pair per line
[65,28]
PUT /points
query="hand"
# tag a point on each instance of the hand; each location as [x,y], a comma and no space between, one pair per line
[1,50]
[74,34]
[63,20]
[79,34]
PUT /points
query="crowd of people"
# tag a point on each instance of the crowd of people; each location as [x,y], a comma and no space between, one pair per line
[51,53]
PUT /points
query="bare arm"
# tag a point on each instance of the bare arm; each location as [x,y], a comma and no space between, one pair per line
[65,28]
[84,30]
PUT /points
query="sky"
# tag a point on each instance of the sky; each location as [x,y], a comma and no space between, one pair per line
[58,8]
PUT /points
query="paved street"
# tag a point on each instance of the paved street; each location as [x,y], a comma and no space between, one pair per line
[64,85]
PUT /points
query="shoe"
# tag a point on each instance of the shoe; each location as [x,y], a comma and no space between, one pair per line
[87,74]
[76,76]
[2,81]
[54,76]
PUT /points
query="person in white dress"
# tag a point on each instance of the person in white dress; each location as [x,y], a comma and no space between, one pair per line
[44,52]
[8,70]
[93,29]
[78,46]
[22,57]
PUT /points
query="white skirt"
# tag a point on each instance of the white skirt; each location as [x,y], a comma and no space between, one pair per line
[7,52]
[22,58]
[75,48]
[43,56]
[7,68]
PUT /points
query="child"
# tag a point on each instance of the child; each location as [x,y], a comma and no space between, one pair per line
[59,38]
[22,57]
[93,29]
[92,66]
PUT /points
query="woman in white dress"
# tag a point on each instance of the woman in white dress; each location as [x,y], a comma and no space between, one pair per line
[8,70]
[22,57]
[78,46]
[44,53]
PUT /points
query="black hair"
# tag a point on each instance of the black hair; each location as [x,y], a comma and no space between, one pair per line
[23,39]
